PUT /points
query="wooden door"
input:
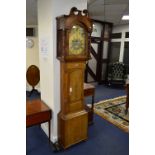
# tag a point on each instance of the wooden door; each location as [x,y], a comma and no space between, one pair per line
[72,86]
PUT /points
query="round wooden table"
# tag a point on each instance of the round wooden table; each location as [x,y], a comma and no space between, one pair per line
[33,76]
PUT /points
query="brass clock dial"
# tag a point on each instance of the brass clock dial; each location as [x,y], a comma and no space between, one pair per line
[76,40]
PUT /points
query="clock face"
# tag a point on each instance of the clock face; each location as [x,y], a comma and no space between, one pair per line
[29,43]
[77,40]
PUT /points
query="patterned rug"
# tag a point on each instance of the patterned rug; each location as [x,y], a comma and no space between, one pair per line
[113,110]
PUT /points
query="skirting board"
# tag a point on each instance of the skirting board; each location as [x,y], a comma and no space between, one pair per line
[44,126]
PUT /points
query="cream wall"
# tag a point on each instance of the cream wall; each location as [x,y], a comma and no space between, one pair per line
[32,55]
[48,10]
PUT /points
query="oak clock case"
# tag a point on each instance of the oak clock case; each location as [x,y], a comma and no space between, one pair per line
[73,46]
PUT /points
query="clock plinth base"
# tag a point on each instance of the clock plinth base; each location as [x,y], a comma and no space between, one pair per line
[72,128]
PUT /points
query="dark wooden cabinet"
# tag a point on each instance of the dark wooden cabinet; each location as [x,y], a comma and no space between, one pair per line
[73,46]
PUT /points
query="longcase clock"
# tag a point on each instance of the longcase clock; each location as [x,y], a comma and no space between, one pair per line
[73,50]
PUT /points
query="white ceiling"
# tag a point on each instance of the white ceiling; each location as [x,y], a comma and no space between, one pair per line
[103,10]
[109,10]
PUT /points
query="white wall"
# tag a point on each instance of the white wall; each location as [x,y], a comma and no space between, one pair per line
[121,29]
[32,55]
[97,29]
[48,10]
